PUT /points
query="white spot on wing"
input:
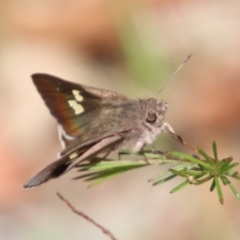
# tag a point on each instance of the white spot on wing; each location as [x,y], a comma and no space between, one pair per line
[75,106]
[77,95]
[73,155]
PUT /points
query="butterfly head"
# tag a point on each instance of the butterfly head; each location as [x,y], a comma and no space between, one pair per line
[156,111]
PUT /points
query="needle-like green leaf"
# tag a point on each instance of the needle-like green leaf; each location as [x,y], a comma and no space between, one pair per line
[209,159]
[180,186]
[219,189]
[233,189]
[214,145]
[191,159]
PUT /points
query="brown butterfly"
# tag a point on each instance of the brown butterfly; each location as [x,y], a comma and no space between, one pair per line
[93,120]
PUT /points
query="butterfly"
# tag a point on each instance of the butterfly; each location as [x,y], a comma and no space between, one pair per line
[93,120]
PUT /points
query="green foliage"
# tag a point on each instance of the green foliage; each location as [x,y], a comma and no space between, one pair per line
[193,169]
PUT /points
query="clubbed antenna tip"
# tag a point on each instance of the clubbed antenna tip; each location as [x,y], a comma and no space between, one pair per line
[188,57]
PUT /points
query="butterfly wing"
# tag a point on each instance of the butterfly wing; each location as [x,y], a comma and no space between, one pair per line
[78,109]
[91,121]
[65,162]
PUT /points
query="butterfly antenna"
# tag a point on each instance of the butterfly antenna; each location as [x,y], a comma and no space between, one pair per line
[174,74]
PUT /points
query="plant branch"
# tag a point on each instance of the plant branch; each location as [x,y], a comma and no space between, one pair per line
[194,169]
[82,214]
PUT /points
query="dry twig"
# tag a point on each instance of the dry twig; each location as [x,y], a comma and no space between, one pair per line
[104,230]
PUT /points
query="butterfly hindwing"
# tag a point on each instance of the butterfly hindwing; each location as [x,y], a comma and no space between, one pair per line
[72,159]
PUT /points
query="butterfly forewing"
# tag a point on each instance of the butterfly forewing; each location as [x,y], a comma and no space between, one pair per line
[83,112]
[66,101]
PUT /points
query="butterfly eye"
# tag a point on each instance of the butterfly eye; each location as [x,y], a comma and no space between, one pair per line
[151,118]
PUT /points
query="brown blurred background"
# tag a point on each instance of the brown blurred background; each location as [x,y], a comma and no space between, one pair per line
[131,47]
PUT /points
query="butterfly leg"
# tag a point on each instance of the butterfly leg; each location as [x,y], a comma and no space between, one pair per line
[168,129]
[120,153]
[105,155]
[145,158]
[154,151]
[143,154]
